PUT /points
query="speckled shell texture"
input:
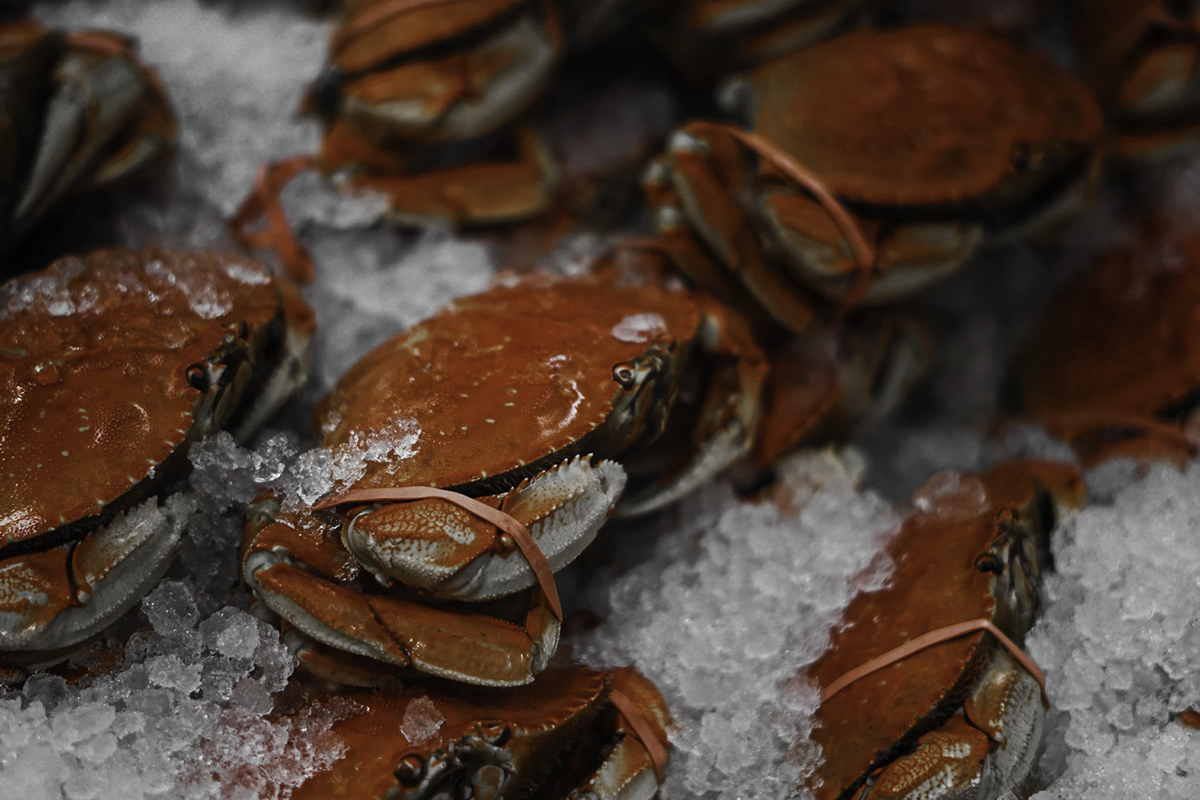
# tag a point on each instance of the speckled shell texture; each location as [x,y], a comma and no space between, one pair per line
[94,355]
[923,115]
[500,379]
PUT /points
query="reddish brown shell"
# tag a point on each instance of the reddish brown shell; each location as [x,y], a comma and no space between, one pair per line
[423,25]
[1124,338]
[500,379]
[935,583]
[552,709]
[94,358]
[922,115]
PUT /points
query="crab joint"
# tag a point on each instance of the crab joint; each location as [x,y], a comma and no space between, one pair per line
[506,523]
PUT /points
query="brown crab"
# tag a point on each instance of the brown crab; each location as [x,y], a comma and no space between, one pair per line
[80,112]
[962,717]
[541,401]
[1144,56]
[408,78]
[569,735]
[1115,367]
[111,367]
[884,156]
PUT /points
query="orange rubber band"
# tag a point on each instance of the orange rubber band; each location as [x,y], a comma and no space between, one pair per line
[929,640]
[864,251]
[263,201]
[377,15]
[519,533]
[102,42]
[642,731]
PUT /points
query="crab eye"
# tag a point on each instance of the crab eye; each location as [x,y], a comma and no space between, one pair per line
[623,374]
[987,562]
[497,733]
[410,770]
[197,378]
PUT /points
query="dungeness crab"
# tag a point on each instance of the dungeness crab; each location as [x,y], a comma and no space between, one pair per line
[885,158]
[541,401]
[576,733]
[111,367]
[961,717]
[1115,368]
[79,112]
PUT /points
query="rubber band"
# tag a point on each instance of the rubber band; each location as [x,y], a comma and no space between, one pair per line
[929,640]
[864,251]
[377,15]
[505,522]
[642,731]
[263,201]
[102,42]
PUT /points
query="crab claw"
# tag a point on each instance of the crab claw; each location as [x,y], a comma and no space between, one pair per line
[439,548]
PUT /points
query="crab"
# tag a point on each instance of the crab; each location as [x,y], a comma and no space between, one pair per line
[111,367]
[81,113]
[962,717]
[886,159]
[708,38]
[1144,57]
[407,80]
[541,401]
[1115,367]
[571,734]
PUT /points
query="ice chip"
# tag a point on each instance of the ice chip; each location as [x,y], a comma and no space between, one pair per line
[421,721]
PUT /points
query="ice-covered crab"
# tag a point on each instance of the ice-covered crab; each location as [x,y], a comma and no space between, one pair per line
[878,162]
[407,80]
[572,734]
[1115,367]
[111,367]
[962,717]
[80,112]
[542,401]
[1144,56]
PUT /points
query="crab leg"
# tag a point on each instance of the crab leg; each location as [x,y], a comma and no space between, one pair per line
[697,164]
[96,97]
[53,599]
[288,571]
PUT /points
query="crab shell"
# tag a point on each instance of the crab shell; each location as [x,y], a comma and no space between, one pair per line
[974,549]
[562,735]
[708,38]
[111,367]
[1118,346]
[1144,58]
[931,137]
[542,401]
[79,113]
